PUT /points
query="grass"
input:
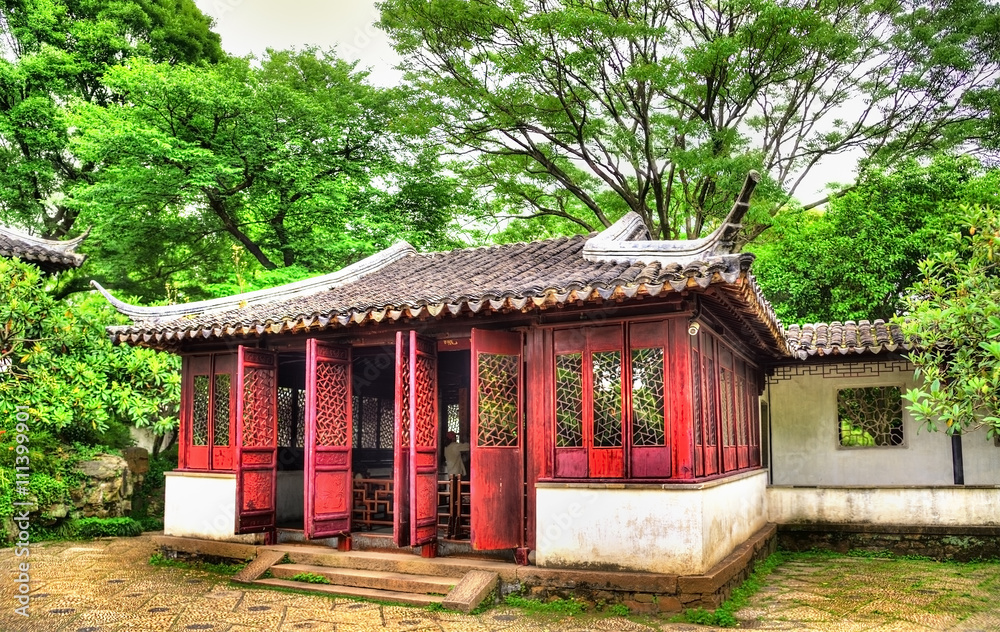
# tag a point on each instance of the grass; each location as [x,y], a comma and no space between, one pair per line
[158,559]
[559,607]
[309,578]
[725,615]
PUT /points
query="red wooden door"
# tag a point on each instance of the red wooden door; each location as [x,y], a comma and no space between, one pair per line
[497,476]
[401,444]
[256,439]
[328,481]
[423,439]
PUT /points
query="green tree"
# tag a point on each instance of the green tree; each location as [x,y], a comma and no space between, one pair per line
[953,315]
[294,159]
[56,51]
[667,105]
[857,257]
[57,359]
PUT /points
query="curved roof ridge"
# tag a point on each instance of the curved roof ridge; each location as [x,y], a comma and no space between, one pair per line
[353,272]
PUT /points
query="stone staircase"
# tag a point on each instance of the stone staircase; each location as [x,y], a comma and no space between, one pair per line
[399,577]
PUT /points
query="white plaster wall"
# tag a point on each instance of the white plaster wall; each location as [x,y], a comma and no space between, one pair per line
[202,505]
[290,496]
[805,443]
[682,529]
[917,506]
[981,459]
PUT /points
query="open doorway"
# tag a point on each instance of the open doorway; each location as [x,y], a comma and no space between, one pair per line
[454,456]
[373,404]
[291,441]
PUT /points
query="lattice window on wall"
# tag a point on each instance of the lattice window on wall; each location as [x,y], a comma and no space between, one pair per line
[220,421]
[199,416]
[607,399]
[696,405]
[647,397]
[453,420]
[569,400]
[300,420]
[742,422]
[498,400]
[870,417]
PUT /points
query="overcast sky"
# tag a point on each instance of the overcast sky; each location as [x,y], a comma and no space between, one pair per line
[251,26]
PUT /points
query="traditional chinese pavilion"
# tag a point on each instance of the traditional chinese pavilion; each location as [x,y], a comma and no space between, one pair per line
[610,388]
[49,255]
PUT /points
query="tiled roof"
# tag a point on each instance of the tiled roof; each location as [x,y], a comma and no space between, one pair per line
[49,255]
[511,277]
[822,339]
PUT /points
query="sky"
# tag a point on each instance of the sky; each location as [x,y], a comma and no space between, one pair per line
[251,26]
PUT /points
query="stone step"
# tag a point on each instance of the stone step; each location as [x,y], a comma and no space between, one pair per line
[410,599]
[395,582]
[393,562]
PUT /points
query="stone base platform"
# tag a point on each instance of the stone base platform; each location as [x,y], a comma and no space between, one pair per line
[958,543]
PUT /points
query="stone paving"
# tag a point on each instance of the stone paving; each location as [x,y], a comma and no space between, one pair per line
[108,586]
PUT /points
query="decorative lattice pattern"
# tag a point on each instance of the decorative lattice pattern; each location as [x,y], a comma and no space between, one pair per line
[404,402]
[742,423]
[648,419]
[607,399]
[300,419]
[258,409]
[332,391]
[386,420]
[220,420]
[426,426]
[453,420]
[199,416]
[287,401]
[569,400]
[727,407]
[711,403]
[498,399]
[870,417]
[696,405]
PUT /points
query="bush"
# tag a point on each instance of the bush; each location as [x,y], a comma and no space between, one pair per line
[88,528]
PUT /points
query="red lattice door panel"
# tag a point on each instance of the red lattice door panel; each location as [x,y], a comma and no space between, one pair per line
[328,480]
[401,444]
[497,474]
[423,439]
[256,439]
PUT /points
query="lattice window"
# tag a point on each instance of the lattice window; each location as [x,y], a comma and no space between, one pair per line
[300,420]
[404,401]
[727,407]
[220,422]
[258,413]
[453,420]
[286,416]
[199,416]
[498,400]
[742,425]
[712,400]
[607,399]
[332,391]
[870,417]
[427,422]
[569,400]
[386,421]
[647,397]
[696,406]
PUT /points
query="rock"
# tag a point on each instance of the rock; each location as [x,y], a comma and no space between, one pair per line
[104,467]
[58,510]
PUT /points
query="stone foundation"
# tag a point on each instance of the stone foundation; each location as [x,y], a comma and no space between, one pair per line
[957,543]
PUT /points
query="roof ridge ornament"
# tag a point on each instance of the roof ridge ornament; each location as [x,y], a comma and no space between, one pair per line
[628,240]
[305,287]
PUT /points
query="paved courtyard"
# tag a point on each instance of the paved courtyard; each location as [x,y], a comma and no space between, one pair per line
[108,585]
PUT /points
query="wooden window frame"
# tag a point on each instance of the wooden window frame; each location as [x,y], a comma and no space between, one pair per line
[208,457]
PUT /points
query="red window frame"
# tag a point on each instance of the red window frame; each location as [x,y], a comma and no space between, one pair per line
[208,455]
[725,409]
[585,457]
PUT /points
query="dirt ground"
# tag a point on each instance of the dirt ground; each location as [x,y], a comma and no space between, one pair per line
[108,585]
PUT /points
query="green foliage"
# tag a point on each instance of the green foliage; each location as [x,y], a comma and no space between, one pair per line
[562,607]
[62,365]
[576,112]
[309,578]
[87,528]
[725,615]
[217,568]
[253,173]
[856,258]
[617,610]
[954,317]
